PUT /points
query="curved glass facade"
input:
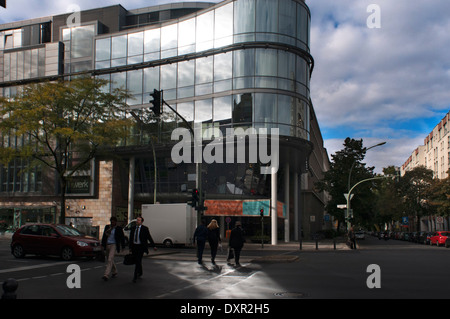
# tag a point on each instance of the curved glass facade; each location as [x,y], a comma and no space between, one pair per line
[243,62]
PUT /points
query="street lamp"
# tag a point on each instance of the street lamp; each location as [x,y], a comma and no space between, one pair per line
[348,195]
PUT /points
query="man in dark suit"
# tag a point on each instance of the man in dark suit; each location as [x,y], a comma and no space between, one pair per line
[139,238]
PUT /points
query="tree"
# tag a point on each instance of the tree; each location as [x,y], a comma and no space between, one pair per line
[389,200]
[66,124]
[439,196]
[415,188]
[347,169]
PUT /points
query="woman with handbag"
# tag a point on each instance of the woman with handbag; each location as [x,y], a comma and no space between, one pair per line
[213,239]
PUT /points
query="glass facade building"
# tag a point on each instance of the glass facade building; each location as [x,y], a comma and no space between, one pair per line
[234,64]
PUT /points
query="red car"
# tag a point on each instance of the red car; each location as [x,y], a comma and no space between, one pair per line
[438,238]
[49,239]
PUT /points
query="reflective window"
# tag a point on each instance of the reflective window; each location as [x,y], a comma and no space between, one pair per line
[152,40]
[169,37]
[223,66]
[186,110]
[266,62]
[222,109]
[203,111]
[151,79]
[244,63]
[244,16]
[205,31]
[103,49]
[118,80]
[286,65]
[168,76]
[134,81]
[266,16]
[287,17]
[204,70]
[223,28]
[302,24]
[119,47]
[286,112]
[243,108]
[82,41]
[186,36]
[135,43]
[265,109]
[186,73]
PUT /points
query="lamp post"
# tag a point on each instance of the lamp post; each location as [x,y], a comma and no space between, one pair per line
[348,195]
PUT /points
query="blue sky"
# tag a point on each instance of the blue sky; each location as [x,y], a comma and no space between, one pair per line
[377,84]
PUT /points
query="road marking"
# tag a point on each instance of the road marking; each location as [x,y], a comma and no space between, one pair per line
[3,271]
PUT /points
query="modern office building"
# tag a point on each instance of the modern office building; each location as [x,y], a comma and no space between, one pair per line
[242,65]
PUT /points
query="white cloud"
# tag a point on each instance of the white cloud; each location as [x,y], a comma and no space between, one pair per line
[368,81]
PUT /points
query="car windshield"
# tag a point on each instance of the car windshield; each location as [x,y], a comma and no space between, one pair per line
[68,231]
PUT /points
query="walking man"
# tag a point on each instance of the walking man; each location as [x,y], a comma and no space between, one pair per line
[139,238]
[113,239]
[236,242]
[200,234]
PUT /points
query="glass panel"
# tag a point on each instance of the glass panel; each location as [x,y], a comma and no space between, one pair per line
[134,81]
[82,41]
[168,76]
[243,108]
[135,43]
[205,31]
[186,110]
[223,66]
[7,66]
[244,63]
[287,23]
[186,31]
[266,15]
[203,111]
[118,80]
[151,79]
[186,73]
[286,112]
[103,49]
[204,70]
[223,28]
[266,62]
[301,70]
[244,16]
[222,109]
[152,40]
[265,109]
[286,65]
[169,37]
[302,24]
[119,47]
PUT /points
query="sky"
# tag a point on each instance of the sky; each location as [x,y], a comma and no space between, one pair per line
[382,74]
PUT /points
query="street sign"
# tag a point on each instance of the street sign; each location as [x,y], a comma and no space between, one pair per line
[342,206]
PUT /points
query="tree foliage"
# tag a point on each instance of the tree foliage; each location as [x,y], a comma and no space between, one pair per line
[65,124]
[346,169]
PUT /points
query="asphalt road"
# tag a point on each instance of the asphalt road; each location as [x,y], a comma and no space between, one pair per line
[403,271]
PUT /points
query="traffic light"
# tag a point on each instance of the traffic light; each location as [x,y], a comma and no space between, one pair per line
[201,203]
[156,101]
[261,212]
[194,198]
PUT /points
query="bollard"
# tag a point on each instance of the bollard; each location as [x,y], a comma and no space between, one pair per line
[317,243]
[9,289]
[334,243]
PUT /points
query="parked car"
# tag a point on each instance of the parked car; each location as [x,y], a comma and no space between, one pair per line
[447,242]
[50,239]
[439,237]
[360,235]
[422,237]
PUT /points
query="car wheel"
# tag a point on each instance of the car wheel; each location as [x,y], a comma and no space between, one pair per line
[168,243]
[18,251]
[67,253]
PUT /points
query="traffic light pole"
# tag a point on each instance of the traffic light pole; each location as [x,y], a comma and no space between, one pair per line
[198,166]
